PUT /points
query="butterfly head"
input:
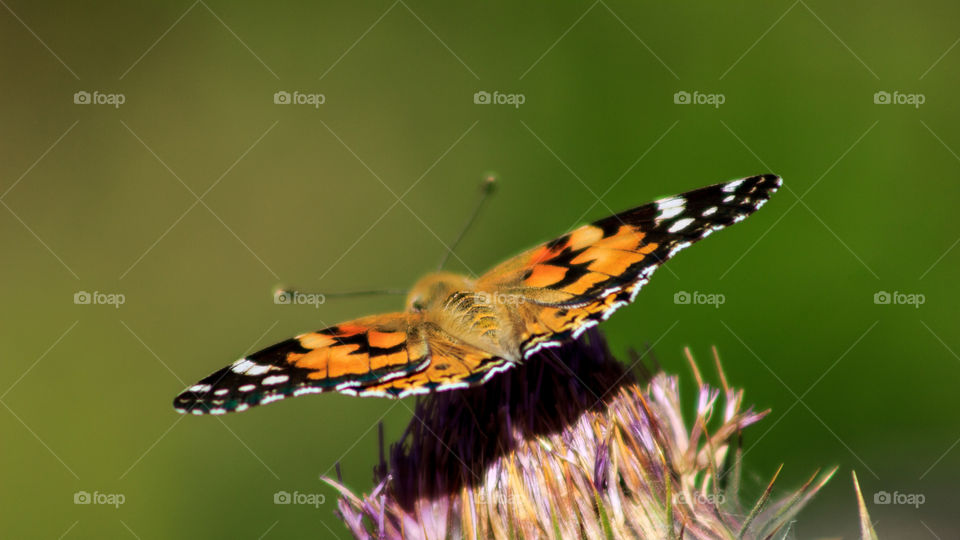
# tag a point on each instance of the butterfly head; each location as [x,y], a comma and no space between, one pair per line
[433,289]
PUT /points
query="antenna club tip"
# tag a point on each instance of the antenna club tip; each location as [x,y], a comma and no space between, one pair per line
[489,181]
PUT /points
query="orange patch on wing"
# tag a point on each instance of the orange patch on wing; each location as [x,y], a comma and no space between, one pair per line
[314,340]
[585,236]
[331,362]
[614,263]
[349,329]
[339,364]
[380,361]
[544,253]
[544,275]
[583,284]
[385,340]
[644,250]
[627,238]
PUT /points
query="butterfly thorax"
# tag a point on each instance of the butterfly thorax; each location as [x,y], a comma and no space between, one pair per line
[453,302]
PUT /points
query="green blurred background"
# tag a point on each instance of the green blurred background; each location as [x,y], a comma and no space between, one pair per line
[104,198]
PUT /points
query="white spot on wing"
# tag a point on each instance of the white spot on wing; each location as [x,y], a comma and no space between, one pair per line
[493,371]
[709,211]
[610,310]
[677,248]
[307,390]
[542,345]
[271,398]
[249,367]
[583,328]
[680,225]
[275,379]
[731,186]
[258,369]
[669,208]
[241,366]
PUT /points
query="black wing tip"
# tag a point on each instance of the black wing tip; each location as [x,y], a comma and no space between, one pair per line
[190,402]
[775,181]
[771,182]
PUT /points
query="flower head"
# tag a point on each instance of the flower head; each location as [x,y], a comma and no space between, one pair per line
[571,444]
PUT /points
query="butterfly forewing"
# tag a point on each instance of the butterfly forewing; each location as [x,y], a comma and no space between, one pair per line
[341,358]
[584,276]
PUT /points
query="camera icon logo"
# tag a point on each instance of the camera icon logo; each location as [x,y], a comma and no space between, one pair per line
[882,497]
[281,497]
[682,297]
[81,98]
[82,298]
[482,98]
[81,497]
[881,297]
[881,98]
[282,297]
[281,98]
[682,98]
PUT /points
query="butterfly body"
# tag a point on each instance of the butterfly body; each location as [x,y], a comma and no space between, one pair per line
[454,304]
[457,331]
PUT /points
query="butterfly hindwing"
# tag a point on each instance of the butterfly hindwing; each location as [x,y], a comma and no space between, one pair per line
[574,281]
[453,364]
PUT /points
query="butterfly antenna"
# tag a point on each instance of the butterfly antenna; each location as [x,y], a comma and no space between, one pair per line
[486,189]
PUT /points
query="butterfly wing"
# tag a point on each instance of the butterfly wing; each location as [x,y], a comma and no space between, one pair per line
[573,282]
[343,358]
[390,355]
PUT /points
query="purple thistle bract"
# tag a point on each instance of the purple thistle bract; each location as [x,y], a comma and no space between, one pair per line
[571,444]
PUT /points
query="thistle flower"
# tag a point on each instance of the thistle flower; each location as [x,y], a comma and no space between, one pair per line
[571,445]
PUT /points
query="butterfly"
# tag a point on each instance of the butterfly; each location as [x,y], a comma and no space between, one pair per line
[458,331]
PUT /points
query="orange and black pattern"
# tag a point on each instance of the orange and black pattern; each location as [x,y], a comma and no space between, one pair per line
[582,277]
[344,358]
[454,336]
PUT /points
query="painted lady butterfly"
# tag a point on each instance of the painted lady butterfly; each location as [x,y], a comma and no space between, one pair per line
[458,332]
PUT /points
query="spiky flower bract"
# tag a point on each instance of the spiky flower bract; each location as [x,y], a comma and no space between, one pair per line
[571,444]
